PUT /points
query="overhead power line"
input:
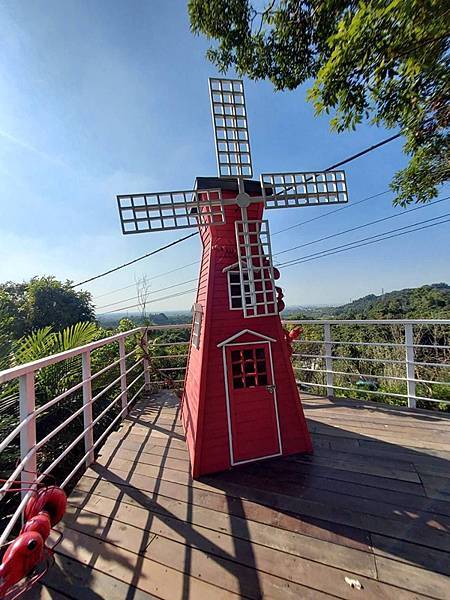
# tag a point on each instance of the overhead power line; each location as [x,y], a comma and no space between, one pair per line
[149,293]
[365,244]
[124,308]
[307,256]
[153,277]
[131,262]
[127,264]
[356,228]
[338,249]
[327,214]
[366,151]
[330,212]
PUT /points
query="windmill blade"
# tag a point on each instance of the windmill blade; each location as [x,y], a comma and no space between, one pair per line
[140,213]
[313,188]
[229,115]
[255,268]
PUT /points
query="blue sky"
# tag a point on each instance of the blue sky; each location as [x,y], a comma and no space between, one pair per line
[104,97]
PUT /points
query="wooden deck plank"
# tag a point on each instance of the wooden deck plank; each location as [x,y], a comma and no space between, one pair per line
[250,576]
[375,503]
[371,504]
[227,527]
[190,505]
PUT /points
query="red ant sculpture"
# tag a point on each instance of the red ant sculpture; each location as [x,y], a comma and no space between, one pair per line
[44,510]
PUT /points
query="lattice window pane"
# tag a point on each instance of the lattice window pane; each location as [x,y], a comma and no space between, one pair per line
[197,325]
[170,210]
[229,115]
[285,190]
[255,268]
[248,369]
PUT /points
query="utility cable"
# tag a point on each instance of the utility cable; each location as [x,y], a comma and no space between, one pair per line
[287,249]
[329,213]
[126,287]
[356,228]
[340,163]
[149,293]
[124,308]
[382,237]
[131,262]
[365,244]
[302,258]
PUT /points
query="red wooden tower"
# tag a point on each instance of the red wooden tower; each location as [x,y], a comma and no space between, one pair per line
[240,400]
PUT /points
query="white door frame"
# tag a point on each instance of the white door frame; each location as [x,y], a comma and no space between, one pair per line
[227,394]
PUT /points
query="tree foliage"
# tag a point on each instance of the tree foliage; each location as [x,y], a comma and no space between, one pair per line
[41,302]
[386,61]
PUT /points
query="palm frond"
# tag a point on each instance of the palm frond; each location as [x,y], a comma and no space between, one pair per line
[75,335]
[33,346]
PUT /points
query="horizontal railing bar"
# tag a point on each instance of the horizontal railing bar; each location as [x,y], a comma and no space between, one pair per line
[367,322]
[432,346]
[436,382]
[353,374]
[169,356]
[113,364]
[377,360]
[359,391]
[115,381]
[130,385]
[97,419]
[309,370]
[167,344]
[47,405]
[340,387]
[63,395]
[54,358]
[173,369]
[14,518]
[66,451]
[61,426]
[35,365]
[388,344]
[107,430]
[428,364]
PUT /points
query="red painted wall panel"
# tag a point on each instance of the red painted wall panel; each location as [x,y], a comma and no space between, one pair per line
[204,406]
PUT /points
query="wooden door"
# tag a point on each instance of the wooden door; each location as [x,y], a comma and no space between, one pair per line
[252,402]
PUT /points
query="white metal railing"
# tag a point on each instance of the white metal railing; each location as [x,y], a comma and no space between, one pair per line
[398,364]
[132,380]
[320,368]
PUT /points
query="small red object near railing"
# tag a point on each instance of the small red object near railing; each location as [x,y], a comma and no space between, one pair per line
[28,557]
[291,336]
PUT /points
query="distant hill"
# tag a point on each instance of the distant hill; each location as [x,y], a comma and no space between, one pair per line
[167,318]
[425,302]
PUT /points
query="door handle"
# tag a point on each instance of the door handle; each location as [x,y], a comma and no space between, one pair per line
[270,388]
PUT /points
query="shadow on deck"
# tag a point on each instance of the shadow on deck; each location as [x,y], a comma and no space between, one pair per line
[370,508]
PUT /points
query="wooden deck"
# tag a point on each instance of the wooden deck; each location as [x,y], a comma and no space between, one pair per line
[372,505]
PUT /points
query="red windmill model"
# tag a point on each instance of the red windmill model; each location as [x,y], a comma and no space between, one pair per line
[240,400]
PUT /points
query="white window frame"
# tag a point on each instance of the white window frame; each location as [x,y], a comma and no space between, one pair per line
[197,320]
[232,297]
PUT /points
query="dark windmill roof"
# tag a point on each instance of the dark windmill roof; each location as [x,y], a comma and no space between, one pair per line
[225,183]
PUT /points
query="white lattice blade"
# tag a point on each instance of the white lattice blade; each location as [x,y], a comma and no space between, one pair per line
[229,114]
[257,280]
[312,188]
[161,211]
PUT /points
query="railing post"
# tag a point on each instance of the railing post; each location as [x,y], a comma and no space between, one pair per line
[146,363]
[328,347]
[27,405]
[410,370]
[123,374]
[87,412]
